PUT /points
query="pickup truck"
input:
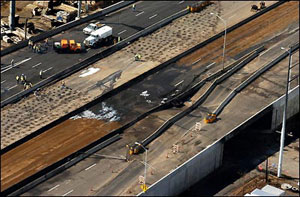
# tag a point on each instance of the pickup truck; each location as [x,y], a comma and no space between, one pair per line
[92,27]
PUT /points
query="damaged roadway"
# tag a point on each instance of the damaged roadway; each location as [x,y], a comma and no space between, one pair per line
[153,99]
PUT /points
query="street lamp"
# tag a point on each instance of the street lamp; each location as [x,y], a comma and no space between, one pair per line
[145,173]
[284,116]
[224,21]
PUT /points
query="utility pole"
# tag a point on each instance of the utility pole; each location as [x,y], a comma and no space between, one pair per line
[12,12]
[79,9]
[284,116]
[224,45]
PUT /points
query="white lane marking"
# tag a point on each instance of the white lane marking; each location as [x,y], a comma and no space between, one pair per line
[153,16]
[3,81]
[12,87]
[88,49]
[196,61]
[210,65]
[36,65]
[178,83]
[68,192]
[265,51]
[180,2]
[53,188]
[140,13]
[90,167]
[17,64]
[121,32]
[47,69]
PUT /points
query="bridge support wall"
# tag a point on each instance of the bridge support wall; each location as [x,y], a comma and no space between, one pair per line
[277,107]
[209,159]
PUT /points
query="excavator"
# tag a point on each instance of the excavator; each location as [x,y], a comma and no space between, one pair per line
[68,46]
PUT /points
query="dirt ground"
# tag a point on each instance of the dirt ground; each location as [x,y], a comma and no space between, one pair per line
[42,150]
[7,173]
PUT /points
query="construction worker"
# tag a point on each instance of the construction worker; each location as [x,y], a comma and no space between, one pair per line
[12,63]
[63,85]
[38,49]
[46,42]
[41,74]
[137,57]
[30,44]
[22,79]
[34,48]
[18,79]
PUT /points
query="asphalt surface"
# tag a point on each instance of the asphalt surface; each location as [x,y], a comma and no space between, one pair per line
[84,176]
[125,22]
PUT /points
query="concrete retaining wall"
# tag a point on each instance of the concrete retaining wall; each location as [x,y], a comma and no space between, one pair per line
[206,161]
[293,107]
[189,172]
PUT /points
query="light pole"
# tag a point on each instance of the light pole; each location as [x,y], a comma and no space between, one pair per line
[284,117]
[224,21]
[145,173]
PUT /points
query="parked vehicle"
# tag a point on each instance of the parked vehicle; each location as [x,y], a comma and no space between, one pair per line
[100,36]
[68,46]
[92,27]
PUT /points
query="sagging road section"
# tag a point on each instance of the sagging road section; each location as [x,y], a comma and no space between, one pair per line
[131,139]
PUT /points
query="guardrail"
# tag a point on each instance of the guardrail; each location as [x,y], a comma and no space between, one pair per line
[251,79]
[86,62]
[64,166]
[217,81]
[110,50]
[67,26]
[118,89]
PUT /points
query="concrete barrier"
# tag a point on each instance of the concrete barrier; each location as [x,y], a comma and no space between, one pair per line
[209,159]
[252,78]
[65,166]
[67,26]
[189,173]
[88,61]
[111,50]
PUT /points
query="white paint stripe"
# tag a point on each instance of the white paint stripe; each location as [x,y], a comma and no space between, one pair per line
[196,61]
[90,167]
[180,2]
[121,32]
[47,69]
[17,64]
[53,188]
[3,81]
[210,65]
[68,192]
[140,13]
[88,49]
[36,65]
[265,51]
[178,83]
[12,87]
[153,16]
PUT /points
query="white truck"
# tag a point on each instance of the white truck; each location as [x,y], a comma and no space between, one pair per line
[102,35]
[92,27]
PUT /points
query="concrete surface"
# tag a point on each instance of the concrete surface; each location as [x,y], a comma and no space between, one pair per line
[160,158]
[120,61]
[124,23]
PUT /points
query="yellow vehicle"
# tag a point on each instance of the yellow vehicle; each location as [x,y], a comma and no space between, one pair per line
[68,46]
[210,118]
